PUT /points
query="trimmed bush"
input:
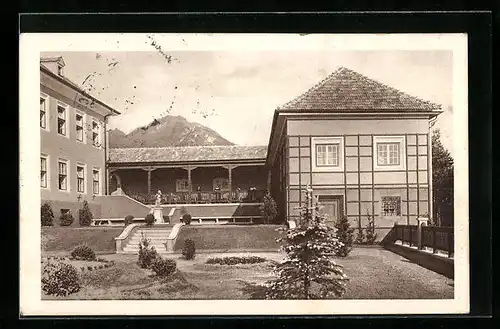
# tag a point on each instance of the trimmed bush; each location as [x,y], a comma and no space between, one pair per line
[269,209]
[47,215]
[186,219]
[85,215]
[189,250]
[147,253]
[235,260]
[66,219]
[163,267]
[83,252]
[149,219]
[129,220]
[60,279]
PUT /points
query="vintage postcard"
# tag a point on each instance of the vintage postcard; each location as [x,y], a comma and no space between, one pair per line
[238,174]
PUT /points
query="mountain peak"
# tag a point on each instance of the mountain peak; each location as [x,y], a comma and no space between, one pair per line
[167,131]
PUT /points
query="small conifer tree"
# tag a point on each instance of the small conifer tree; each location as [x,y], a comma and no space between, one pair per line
[371,236]
[360,235]
[269,209]
[47,215]
[309,272]
[85,215]
[345,235]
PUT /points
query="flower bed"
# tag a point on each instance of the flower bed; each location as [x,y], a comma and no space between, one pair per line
[235,260]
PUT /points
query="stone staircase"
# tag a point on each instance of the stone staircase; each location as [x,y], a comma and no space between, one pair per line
[157,235]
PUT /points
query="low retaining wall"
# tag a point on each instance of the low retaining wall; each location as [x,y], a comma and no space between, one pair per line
[441,265]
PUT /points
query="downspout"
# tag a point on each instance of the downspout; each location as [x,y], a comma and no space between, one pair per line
[106,155]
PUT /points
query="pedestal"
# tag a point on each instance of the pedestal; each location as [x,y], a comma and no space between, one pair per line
[420,222]
[158,215]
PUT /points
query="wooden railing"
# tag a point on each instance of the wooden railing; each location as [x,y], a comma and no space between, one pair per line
[433,237]
[200,197]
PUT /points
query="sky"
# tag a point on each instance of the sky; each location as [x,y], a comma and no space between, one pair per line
[236,92]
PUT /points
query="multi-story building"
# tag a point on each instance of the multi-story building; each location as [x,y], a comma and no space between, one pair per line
[363,147]
[73,141]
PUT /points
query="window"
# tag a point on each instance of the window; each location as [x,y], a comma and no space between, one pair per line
[60,70]
[95,134]
[327,155]
[389,153]
[391,206]
[95,181]
[43,172]
[63,175]
[221,184]
[43,112]
[80,179]
[79,127]
[182,185]
[61,120]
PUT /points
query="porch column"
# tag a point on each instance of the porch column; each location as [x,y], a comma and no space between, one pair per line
[230,180]
[149,170]
[190,185]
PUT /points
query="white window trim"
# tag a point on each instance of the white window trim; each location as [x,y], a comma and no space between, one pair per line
[99,133]
[47,173]
[84,121]
[79,164]
[68,175]
[381,206]
[178,185]
[402,152]
[100,180]
[68,116]
[222,189]
[328,140]
[47,111]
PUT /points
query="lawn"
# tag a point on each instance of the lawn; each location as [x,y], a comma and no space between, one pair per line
[62,239]
[374,274]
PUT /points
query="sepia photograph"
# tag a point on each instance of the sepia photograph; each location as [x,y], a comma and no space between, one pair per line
[220,173]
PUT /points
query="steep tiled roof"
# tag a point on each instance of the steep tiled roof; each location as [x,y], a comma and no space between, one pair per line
[186,154]
[347,90]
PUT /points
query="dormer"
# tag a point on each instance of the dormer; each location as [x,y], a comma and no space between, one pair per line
[54,64]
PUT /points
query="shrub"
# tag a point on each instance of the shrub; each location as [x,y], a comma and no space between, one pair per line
[163,267]
[234,260]
[83,252]
[269,209]
[100,259]
[85,215]
[189,250]
[371,236]
[89,268]
[360,235]
[47,215]
[344,235]
[186,219]
[129,220]
[147,253]
[66,219]
[183,211]
[60,279]
[150,219]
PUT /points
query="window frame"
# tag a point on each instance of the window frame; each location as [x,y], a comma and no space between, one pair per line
[178,185]
[388,140]
[98,181]
[382,214]
[81,165]
[68,173]
[47,172]
[66,118]
[98,133]
[47,110]
[327,140]
[79,113]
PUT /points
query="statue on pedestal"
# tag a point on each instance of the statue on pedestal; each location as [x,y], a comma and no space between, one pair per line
[158,198]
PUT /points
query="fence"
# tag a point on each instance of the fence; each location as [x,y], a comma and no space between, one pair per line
[434,237]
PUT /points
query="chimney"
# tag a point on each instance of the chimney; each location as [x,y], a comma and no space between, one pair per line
[54,64]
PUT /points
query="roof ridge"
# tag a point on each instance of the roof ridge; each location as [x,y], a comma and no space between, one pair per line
[398,91]
[188,146]
[313,88]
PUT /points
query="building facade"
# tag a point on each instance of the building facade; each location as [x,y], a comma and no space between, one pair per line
[73,142]
[363,147]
